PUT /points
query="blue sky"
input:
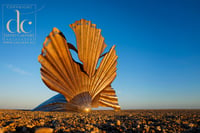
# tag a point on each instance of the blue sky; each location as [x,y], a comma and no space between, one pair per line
[157,43]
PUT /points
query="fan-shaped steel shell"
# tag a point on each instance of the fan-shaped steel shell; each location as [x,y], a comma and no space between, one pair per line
[82,84]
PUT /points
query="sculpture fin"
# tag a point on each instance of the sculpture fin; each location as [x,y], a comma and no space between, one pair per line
[105,73]
[59,72]
[90,44]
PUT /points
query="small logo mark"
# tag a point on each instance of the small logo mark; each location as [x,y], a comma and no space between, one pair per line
[18,23]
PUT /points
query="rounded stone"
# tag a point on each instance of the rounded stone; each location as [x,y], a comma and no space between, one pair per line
[44,130]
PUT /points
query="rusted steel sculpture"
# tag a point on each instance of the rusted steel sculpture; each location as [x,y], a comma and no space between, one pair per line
[83,85]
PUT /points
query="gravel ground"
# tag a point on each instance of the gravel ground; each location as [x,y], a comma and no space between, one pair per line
[149,121]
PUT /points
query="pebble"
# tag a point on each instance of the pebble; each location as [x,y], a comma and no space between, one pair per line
[1,130]
[158,128]
[101,121]
[44,130]
[118,123]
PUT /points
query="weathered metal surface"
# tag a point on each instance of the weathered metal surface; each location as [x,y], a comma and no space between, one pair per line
[82,84]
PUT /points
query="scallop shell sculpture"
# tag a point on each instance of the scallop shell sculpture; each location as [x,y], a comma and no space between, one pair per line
[82,86]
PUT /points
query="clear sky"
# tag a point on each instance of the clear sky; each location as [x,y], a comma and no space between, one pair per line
[157,41]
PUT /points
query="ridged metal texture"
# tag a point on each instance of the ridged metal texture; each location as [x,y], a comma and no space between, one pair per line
[82,84]
[57,102]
